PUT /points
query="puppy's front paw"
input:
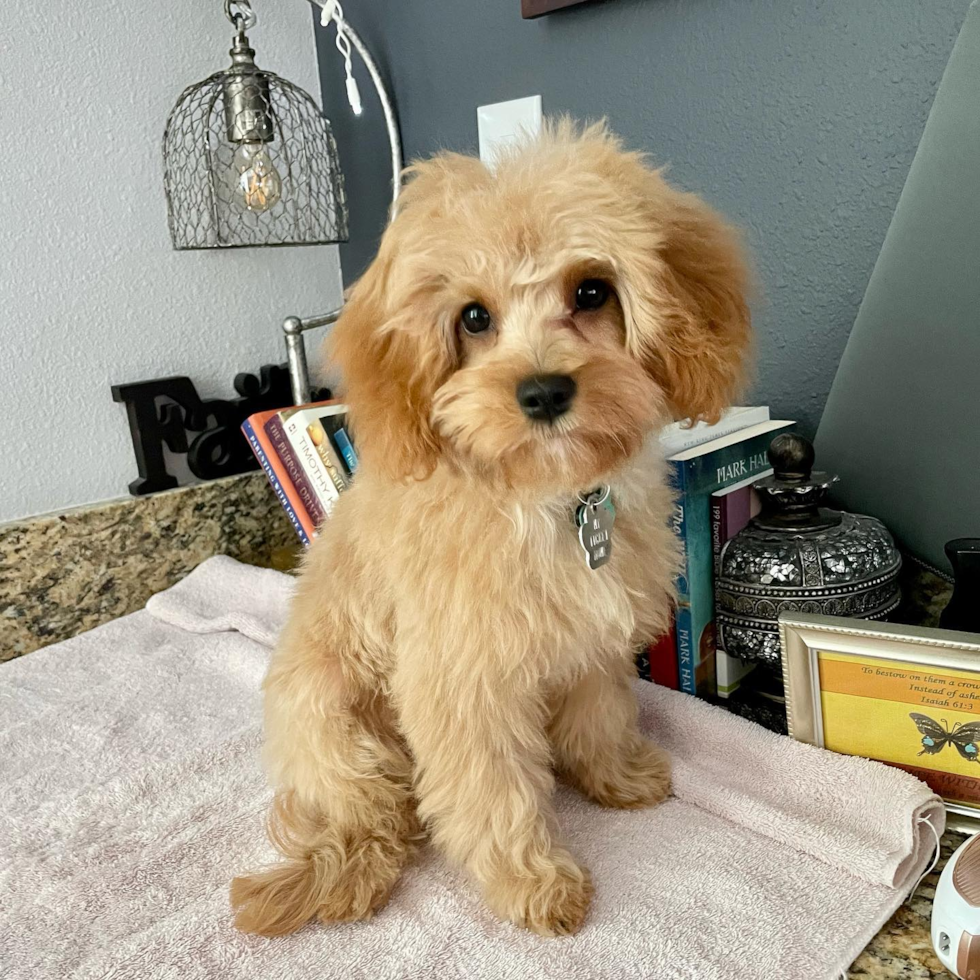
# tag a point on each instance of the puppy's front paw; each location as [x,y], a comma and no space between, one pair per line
[551,902]
[638,777]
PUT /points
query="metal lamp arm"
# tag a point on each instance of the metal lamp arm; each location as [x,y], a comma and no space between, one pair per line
[294,327]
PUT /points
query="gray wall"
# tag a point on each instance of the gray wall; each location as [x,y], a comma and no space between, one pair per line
[91,292]
[799,120]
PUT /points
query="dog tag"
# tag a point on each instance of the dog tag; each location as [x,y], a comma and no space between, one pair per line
[595,520]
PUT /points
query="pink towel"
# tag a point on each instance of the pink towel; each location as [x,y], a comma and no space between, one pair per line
[131,793]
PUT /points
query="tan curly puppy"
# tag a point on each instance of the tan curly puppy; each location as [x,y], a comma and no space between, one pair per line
[518,337]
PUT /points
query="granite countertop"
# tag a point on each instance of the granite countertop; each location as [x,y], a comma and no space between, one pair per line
[902,950]
[65,573]
[62,574]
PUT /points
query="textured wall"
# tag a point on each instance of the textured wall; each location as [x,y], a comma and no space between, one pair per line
[799,120]
[91,292]
[909,371]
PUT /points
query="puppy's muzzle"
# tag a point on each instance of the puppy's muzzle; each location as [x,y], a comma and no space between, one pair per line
[545,397]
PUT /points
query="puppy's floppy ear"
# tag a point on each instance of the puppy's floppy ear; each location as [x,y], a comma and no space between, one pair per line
[393,344]
[390,372]
[686,304]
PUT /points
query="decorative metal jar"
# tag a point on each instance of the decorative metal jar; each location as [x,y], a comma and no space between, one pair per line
[799,556]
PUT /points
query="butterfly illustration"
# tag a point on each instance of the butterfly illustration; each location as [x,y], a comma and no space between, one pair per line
[935,736]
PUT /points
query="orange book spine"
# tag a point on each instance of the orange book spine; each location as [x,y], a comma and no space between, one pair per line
[258,421]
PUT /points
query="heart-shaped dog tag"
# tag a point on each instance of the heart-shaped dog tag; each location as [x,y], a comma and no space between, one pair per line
[595,520]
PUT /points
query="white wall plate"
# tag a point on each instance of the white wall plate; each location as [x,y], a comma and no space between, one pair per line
[504,123]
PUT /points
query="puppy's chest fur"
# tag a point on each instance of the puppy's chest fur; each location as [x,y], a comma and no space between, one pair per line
[509,578]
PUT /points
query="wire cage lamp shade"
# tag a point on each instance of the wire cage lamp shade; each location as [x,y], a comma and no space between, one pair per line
[249,160]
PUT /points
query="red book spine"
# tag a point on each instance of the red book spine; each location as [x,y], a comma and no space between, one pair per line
[663,659]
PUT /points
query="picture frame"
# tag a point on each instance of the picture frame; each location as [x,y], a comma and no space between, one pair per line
[538,8]
[854,686]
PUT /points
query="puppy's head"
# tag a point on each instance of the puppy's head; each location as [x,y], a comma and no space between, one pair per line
[533,324]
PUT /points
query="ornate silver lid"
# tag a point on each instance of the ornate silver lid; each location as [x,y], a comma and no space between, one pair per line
[799,556]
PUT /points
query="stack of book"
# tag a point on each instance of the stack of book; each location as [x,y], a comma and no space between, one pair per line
[713,469]
[308,457]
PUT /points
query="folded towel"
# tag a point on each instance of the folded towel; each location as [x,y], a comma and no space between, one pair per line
[131,793]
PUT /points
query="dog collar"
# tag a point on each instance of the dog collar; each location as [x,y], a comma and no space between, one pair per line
[595,517]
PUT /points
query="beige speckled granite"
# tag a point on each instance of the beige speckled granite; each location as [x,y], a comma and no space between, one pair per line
[902,950]
[924,595]
[65,573]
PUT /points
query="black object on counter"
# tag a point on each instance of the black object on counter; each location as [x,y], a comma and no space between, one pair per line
[163,411]
[963,610]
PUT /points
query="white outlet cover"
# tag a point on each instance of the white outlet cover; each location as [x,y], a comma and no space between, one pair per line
[504,123]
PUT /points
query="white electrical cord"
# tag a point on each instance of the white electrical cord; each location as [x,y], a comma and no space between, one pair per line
[329,13]
[333,11]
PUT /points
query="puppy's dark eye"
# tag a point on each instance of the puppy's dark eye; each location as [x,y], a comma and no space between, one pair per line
[475,318]
[591,294]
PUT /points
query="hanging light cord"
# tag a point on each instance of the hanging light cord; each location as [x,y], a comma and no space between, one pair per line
[332,12]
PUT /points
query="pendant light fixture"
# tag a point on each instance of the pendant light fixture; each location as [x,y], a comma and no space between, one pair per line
[249,159]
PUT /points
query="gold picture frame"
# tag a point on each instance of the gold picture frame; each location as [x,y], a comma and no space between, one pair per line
[850,682]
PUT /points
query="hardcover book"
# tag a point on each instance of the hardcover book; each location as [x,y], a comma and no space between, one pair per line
[731,510]
[675,438]
[661,659]
[273,477]
[288,455]
[697,473]
[322,472]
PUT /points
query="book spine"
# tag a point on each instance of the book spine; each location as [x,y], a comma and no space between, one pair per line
[719,530]
[330,460]
[325,486]
[662,658]
[731,464]
[683,654]
[273,480]
[294,468]
[323,482]
[726,668]
[685,651]
[258,421]
[343,443]
[679,525]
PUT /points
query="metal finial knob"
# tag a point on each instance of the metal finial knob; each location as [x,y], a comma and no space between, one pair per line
[791,457]
[792,496]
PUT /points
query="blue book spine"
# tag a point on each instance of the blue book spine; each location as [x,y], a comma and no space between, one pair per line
[273,480]
[679,524]
[686,662]
[684,525]
[695,480]
[723,467]
[343,443]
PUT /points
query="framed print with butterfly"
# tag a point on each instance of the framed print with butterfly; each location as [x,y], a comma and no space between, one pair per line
[907,696]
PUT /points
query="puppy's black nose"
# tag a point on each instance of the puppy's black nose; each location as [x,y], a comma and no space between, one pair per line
[544,397]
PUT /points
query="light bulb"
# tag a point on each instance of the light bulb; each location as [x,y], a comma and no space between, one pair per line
[255,181]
